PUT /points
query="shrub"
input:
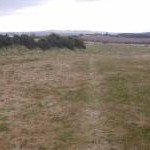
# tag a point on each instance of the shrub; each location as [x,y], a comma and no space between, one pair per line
[44,43]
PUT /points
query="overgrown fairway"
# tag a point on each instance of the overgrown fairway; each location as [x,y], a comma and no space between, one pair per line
[93,99]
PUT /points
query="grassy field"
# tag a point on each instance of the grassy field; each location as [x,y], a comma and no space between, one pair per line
[93,99]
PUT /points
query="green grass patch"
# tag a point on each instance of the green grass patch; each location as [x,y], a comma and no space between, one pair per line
[3,118]
[3,127]
[67,136]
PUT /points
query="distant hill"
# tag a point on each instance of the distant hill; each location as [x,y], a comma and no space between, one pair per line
[135,35]
[81,32]
[95,36]
[47,32]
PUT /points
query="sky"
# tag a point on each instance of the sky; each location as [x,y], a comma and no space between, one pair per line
[94,15]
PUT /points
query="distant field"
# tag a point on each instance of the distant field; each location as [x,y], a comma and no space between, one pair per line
[92,99]
[116,39]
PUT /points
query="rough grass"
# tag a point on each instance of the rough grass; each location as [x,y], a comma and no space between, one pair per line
[93,99]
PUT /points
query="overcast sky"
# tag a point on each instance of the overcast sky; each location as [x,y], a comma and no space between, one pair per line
[96,15]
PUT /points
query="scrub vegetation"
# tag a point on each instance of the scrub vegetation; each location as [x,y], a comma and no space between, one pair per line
[44,43]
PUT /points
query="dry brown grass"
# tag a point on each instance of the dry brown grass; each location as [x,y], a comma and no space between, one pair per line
[95,99]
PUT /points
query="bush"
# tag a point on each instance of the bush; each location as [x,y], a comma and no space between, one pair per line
[44,43]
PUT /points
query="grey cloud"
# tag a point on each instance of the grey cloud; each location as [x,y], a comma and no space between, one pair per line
[8,6]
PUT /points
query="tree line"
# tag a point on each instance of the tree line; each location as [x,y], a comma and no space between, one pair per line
[46,42]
